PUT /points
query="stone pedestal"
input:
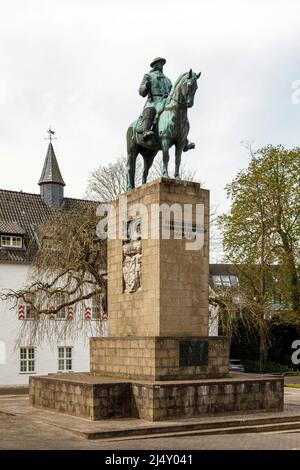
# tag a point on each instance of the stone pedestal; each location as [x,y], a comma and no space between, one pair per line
[158,317]
[98,397]
[172,299]
[158,360]
[160,357]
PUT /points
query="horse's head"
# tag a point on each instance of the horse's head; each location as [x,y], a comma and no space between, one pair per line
[189,87]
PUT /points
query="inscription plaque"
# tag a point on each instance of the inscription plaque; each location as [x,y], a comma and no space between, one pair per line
[193,353]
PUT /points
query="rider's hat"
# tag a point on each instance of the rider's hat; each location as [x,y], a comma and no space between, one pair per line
[157,59]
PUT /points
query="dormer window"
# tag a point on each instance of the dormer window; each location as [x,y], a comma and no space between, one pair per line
[11,241]
[225,281]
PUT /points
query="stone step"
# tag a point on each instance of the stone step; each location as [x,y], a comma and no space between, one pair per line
[247,425]
[14,390]
[265,428]
[5,413]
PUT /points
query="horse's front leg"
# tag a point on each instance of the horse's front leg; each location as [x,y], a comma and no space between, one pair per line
[166,157]
[178,152]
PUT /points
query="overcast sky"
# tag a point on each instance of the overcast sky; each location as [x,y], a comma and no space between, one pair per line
[77,65]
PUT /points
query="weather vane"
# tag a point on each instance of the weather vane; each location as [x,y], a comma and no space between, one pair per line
[51,134]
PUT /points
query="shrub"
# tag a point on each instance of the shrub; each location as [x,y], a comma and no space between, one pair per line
[275,367]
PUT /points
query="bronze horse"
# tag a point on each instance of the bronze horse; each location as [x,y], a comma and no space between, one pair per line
[172,128]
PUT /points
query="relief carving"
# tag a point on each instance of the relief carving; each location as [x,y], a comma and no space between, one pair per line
[132,265]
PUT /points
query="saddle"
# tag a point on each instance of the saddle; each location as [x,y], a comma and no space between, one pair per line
[159,106]
[138,125]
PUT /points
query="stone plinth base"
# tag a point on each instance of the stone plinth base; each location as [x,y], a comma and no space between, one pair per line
[82,395]
[160,358]
[94,397]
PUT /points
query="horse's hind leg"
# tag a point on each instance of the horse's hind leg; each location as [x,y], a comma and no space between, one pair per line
[132,153]
[131,163]
[166,157]
[148,157]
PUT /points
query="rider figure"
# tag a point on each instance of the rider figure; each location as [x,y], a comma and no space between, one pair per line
[156,86]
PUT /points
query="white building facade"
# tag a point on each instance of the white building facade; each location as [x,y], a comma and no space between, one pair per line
[20,357]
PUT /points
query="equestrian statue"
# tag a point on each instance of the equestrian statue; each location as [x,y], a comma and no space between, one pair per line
[163,122]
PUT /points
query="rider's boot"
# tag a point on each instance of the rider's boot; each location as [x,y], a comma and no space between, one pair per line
[147,135]
[188,146]
[148,116]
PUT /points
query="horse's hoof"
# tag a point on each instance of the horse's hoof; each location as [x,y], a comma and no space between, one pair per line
[189,146]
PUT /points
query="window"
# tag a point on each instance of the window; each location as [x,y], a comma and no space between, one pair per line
[62,313]
[27,360]
[64,359]
[217,281]
[11,241]
[30,312]
[225,280]
[234,280]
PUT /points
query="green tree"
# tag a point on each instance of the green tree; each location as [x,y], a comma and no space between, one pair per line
[262,228]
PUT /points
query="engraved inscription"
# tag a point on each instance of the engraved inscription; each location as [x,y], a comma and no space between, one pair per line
[193,353]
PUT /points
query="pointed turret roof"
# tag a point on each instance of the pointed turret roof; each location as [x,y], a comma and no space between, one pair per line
[51,172]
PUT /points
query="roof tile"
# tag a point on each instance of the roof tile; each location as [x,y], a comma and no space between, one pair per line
[22,213]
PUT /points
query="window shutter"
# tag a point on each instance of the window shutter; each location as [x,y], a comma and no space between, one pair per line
[88,313]
[70,312]
[21,312]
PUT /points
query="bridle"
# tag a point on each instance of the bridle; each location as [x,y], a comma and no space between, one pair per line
[183,104]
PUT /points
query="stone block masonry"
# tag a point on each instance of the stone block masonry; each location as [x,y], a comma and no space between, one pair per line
[95,398]
[173,298]
[160,358]
[161,401]
[82,395]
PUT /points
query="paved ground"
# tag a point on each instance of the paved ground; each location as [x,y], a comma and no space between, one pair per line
[23,431]
[292,380]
